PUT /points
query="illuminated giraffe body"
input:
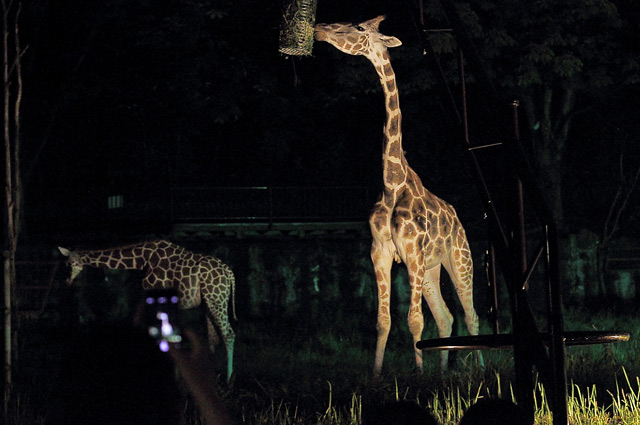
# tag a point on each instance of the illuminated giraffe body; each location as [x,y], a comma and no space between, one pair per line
[408,223]
[196,277]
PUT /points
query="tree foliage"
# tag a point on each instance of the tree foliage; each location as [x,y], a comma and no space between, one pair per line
[558,58]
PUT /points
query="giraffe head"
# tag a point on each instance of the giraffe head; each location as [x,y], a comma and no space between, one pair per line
[357,39]
[73,262]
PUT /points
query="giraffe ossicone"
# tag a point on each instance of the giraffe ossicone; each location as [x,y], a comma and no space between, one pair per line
[196,277]
[408,222]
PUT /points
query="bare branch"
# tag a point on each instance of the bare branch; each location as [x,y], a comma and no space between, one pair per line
[17,190]
[620,201]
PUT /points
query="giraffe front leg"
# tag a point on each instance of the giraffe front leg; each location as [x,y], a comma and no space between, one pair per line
[383,327]
[416,326]
[382,261]
[415,316]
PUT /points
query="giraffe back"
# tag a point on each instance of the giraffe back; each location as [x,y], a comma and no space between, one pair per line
[171,266]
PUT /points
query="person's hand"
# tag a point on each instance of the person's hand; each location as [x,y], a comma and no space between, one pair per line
[195,362]
[196,368]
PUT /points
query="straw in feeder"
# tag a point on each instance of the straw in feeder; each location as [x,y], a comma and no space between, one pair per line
[296,30]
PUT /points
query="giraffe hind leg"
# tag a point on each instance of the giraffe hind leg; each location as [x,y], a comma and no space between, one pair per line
[216,327]
[462,278]
[441,314]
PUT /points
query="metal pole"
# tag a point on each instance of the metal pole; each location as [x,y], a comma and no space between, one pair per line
[521,242]
[492,281]
[557,344]
[523,358]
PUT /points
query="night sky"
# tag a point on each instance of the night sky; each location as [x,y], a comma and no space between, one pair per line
[138,97]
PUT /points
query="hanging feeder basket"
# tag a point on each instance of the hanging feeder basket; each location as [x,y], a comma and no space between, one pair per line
[296,30]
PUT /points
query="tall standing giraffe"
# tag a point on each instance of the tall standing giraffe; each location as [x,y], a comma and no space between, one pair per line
[408,223]
[197,277]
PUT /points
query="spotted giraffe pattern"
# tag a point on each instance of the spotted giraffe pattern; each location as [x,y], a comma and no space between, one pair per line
[196,277]
[408,223]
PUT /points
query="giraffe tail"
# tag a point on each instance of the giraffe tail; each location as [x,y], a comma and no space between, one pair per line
[232,279]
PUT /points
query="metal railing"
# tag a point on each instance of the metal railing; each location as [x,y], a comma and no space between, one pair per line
[67,207]
[202,204]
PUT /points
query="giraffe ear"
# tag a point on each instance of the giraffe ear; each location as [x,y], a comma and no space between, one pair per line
[64,251]
[390,41]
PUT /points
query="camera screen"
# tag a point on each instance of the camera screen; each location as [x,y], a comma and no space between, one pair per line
[162,312]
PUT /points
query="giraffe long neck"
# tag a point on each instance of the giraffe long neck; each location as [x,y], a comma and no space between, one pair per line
[394,163]
[131,257]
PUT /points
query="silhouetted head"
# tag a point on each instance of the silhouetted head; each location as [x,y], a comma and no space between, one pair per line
[493,411]
[398,413]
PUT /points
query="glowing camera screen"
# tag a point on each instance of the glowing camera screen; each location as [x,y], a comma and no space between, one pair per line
[162,315]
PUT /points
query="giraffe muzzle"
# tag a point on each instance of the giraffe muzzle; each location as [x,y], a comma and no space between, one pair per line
[319,32]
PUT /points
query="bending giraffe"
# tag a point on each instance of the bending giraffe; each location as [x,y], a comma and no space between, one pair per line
[408,223]
[197,277]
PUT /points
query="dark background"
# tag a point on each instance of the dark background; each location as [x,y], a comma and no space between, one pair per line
[141,97]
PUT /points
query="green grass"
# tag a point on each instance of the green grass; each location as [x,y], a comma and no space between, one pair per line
[333,380]
[292,371]
[448,406]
